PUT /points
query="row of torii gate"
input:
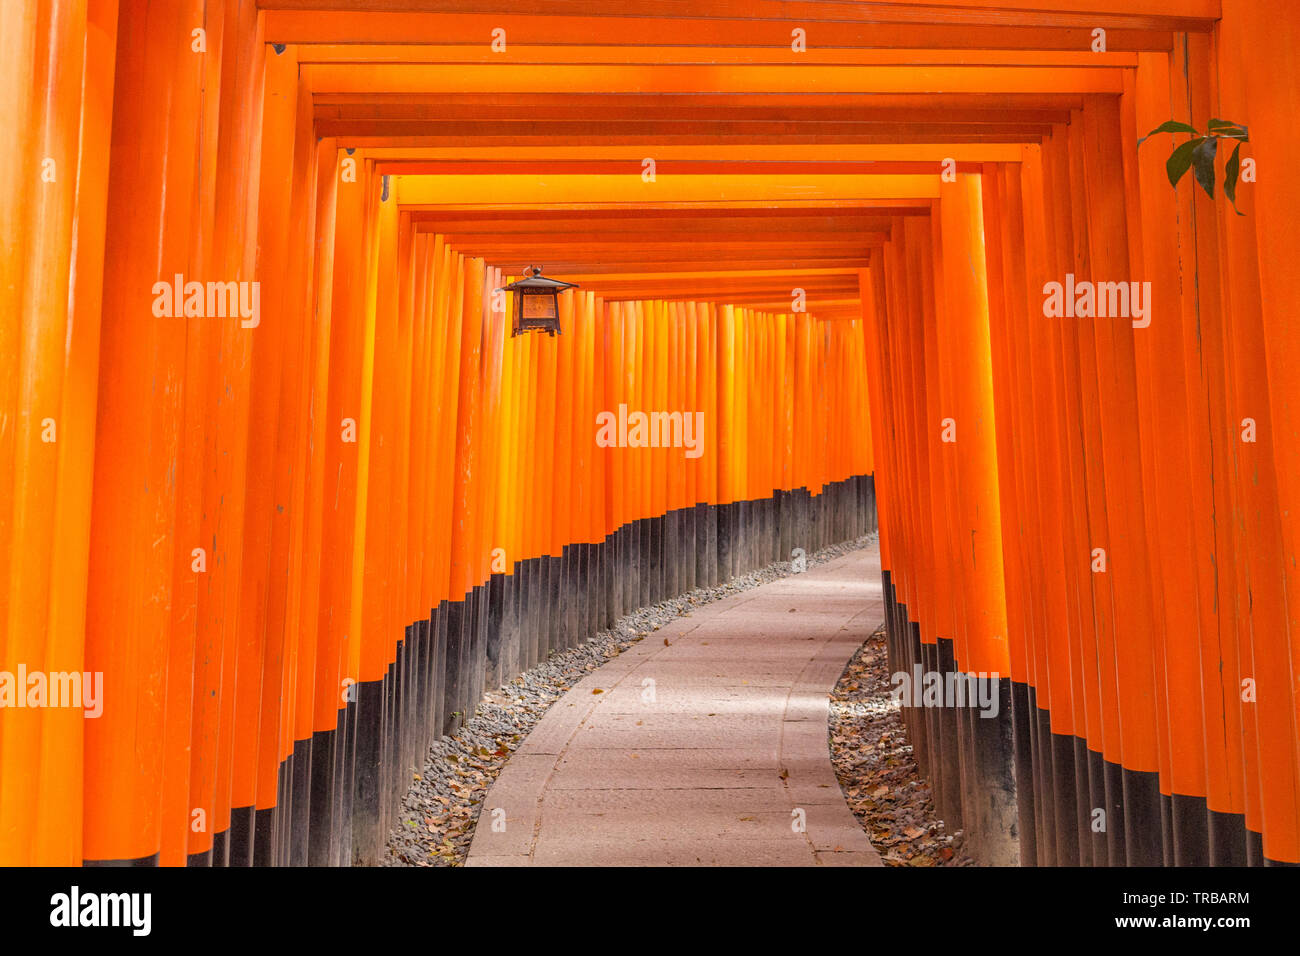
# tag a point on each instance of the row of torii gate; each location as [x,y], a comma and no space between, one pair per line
[854,237]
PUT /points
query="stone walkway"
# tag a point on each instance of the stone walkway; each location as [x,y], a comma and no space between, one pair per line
[705,744]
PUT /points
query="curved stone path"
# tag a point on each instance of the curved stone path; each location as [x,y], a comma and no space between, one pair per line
[704,744]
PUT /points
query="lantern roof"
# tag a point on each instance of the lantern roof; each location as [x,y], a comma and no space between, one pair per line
[536,282]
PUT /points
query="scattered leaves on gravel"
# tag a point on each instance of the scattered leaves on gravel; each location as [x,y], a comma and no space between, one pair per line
[438,814]
[877,772]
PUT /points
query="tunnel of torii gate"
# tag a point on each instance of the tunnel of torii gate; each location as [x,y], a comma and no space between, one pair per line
[284,494]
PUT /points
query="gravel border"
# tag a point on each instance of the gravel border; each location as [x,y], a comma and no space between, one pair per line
[877,772]
[437,816]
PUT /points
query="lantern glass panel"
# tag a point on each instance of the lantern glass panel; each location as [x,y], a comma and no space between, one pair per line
[541,306]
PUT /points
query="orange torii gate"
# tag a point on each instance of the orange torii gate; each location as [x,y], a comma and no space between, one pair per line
[298,543]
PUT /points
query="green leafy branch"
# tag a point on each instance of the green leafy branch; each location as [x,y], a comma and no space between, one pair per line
[1200,152]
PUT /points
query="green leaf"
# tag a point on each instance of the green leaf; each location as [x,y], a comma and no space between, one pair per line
[1170,126]
[1181,160]
[1229,129]
[1203,163]
[1230,172]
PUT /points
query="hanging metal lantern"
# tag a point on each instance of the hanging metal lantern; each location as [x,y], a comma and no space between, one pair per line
[537,302]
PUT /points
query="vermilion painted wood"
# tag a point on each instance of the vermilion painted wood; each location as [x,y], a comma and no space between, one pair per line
[626,29]
[63,753]
[141,402]
[1230,761]
[965,333]
[1182,528]
[1005,274]
[1278,281]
